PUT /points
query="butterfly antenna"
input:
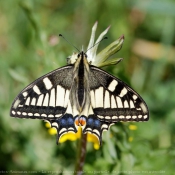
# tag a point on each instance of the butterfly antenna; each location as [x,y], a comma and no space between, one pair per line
[97,43]
[69,42]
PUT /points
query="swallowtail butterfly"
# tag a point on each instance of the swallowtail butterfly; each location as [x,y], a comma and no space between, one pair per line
[80,95]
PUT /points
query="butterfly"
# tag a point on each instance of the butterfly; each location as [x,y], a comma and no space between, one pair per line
[80,95]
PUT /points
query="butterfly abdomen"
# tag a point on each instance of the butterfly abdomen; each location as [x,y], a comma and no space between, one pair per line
[81,78]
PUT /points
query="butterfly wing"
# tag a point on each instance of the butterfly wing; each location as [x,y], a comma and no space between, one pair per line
[112,101]
[47,98]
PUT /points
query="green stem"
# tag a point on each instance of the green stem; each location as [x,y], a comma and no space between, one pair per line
[81,155]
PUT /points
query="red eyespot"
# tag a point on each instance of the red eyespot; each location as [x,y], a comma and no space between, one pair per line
[80,121]
[77,121]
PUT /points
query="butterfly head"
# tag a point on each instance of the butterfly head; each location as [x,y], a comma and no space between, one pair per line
[82,54]
[76,56]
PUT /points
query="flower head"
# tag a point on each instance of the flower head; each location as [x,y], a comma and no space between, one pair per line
[101,59]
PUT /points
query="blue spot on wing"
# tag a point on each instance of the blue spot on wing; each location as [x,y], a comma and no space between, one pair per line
[65,124]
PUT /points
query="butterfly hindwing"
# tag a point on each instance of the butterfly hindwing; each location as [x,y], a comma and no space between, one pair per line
[96,127]
[64,125]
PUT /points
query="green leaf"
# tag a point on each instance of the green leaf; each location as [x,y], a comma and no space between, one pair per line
[108,51]
[17,76]
[110,147]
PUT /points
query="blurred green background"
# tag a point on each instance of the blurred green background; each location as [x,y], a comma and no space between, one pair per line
[30,48]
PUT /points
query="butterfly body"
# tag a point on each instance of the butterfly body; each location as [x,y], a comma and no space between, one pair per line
[79,95]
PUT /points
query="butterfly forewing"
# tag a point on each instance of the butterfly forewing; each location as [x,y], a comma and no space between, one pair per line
[45,98]
[112,100]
